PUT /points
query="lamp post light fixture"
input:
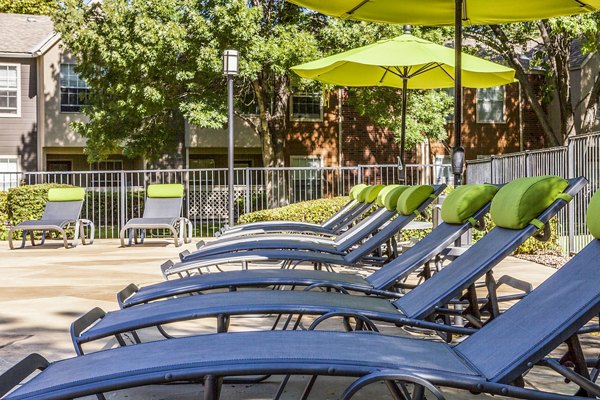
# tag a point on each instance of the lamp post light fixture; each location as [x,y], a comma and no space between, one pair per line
[230,69]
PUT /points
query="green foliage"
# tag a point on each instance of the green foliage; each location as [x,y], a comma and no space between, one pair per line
[314,211]
[37,7]
[3,215]
[425,115]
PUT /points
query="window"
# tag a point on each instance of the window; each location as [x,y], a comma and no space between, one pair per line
[59,166]
[9,90]
[106,178]
[73,90]
[307,178]
[306,107]
[598,110]
[490,105]
[9,172]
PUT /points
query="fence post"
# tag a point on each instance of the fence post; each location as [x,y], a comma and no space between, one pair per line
[123,200]
[360,173]
[248,191]
[527,166]
[571,206]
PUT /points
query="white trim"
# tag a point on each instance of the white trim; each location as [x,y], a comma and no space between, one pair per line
[19,91]
[477,120]
[306,119]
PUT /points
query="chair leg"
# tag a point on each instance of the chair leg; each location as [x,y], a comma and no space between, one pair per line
[10,239]
[77,234]
[43,237]
[212,387]
[64,236]
[122,236]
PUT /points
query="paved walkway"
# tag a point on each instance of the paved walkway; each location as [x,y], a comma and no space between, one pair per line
[44,289]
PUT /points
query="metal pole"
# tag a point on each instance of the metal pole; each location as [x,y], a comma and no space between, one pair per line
[403,134]
[458,152]
[231,144]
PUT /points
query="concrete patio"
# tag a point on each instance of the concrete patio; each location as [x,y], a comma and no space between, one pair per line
[44,289]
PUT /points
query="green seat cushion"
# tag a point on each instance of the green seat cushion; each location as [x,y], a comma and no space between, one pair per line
[411,198]
[388,197]
[66,194]
[465,201]
[166,190]
[356,190]
[519,202]
[361,196]
[593,215]
[373,192]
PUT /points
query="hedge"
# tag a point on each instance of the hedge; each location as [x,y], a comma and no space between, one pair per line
[314,211]
[3,215]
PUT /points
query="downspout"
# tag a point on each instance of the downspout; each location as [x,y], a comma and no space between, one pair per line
[340,128]
[41,114]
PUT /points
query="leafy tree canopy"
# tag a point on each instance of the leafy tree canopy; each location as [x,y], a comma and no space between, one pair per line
[151,64]
[37,7]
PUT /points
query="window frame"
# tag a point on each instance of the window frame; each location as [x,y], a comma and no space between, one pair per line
[18,113]
[60,87]
[294,117]
[3,184]
[62,160]
[477,118]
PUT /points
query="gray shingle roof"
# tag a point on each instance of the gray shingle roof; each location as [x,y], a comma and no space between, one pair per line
[24,34]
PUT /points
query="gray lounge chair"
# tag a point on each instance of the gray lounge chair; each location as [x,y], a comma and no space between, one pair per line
[426,302]
[384,197]
[411,202]
[62,209]
[361,196]
[492,360]
[162,210]
[383,279]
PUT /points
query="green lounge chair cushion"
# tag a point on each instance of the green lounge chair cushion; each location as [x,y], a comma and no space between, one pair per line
[464,201]
[593,215]
[517,203]
[411,198]
[167,190]
[361,196]
[373,192]
[353,194]
[388,197]
[66,194]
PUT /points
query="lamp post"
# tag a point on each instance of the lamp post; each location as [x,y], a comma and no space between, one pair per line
[230,69]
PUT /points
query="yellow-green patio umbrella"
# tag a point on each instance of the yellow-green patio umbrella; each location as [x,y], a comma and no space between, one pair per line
[448,12]
[406,62]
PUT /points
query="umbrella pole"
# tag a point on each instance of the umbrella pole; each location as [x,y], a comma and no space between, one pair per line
[458,152]
[403,129]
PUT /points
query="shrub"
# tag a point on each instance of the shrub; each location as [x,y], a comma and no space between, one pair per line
[3,215]
[314,211]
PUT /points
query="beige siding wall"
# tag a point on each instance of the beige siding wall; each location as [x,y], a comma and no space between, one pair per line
[582,86]
[18,134]
[57,130]
[214,138]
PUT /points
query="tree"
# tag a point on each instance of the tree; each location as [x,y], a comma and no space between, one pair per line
[551,41]
[37,7]
[151,64]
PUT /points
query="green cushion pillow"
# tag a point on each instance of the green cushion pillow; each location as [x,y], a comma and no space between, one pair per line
[361,196]
[388,197]
[355,190]
[66,194]
[465,201]
[412,198]
[167,190]
[373,192]
[593,215]
[519,202]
